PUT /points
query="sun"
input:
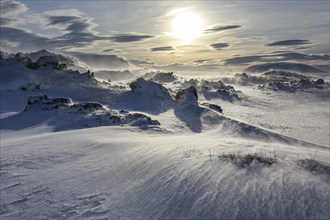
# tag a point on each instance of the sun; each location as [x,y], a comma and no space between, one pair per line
[187,26]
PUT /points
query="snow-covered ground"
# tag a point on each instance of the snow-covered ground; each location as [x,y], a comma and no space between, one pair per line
[165,146]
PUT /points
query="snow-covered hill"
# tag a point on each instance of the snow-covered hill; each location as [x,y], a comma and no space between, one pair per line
[160,146]
[295,67]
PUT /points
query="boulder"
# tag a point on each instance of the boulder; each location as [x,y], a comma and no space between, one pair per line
[319,81]
[215,107]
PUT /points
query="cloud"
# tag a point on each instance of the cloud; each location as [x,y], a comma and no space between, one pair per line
[79,26]
[141,62]
[277,57]
[289,43]
[200,61]
[24,39]
[218,46]
[11,7]
[6,21]
[167,48]
[72,23]
[243,60]
[76,32]
[108,50]
[300,56]
[217,28]
[126,38]
[62,20]
[9,11]
[187,67]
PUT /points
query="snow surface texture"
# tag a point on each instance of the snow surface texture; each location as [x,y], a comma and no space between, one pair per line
[161,146]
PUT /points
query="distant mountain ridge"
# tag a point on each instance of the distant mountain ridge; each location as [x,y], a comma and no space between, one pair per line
[83,61]
[101,61]
[295,67]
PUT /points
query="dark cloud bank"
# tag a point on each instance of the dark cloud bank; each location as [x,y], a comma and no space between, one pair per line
[217,28]
[167,48]
[218,46]
[289,43]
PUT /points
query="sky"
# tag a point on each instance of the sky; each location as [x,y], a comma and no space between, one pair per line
[173,35]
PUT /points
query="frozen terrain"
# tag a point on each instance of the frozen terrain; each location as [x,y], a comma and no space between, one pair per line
[84,143]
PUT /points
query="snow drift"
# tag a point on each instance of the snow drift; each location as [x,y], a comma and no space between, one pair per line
[165,147]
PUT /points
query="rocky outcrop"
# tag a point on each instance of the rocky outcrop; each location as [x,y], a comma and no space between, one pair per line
[293,85]
[217,89]
[319,82]
[44,102]
[162,77]
[48,61]
[19,57]
[151,89]
[87,113]
[188,96]
[30,86]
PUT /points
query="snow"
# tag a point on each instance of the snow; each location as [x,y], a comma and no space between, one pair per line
[162,148]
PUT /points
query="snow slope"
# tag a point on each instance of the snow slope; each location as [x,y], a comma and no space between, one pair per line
[100,173]
[161,147]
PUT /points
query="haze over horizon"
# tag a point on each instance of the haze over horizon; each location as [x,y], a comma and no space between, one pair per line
[198,35]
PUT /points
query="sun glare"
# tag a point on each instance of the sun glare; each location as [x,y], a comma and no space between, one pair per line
[187,26]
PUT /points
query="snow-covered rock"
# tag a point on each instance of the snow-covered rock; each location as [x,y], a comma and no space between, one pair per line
[293,85]
[88,107]
[113,75]
[44,102]
[102,61]
[149,88]
[217,89]
[162,77]
[65,61]
[213,89]
[281,73]
[146,95]
[48,60]
[140,120]
[85,114]
[187,96]
[26,61]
